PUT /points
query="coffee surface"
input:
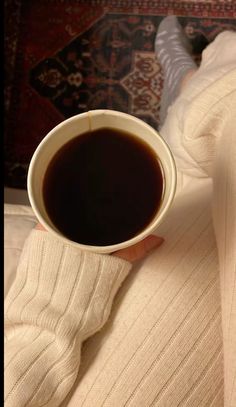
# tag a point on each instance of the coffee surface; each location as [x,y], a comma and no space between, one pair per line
[103,187]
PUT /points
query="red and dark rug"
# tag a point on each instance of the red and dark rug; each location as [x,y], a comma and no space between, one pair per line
[63,57]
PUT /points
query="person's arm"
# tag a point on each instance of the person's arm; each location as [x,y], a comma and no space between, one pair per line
[60,297]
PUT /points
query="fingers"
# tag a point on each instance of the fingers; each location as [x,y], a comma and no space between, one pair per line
[140,249]
[40,227]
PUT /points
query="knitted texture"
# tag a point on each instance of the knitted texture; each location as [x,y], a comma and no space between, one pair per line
[60,297]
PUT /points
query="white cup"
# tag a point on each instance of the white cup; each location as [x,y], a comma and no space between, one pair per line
[79,124]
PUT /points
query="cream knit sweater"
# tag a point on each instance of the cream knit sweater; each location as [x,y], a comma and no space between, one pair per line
[163,343]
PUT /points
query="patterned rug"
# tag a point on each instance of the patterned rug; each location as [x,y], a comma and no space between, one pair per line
[63,57]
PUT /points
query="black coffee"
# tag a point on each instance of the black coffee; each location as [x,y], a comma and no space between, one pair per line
[103,187]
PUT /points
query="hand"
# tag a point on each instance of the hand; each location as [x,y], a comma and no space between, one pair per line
[139,250]
[136,252]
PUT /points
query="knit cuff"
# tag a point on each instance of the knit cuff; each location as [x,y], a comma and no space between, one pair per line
[63,289]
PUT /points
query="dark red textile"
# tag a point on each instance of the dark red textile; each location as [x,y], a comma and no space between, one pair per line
[65,57]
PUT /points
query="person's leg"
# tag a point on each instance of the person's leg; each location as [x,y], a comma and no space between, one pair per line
[200,132]
[173,50]
[224,215]
[162,345]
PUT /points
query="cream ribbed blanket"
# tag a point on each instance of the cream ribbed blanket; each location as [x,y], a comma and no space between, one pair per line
[174,317]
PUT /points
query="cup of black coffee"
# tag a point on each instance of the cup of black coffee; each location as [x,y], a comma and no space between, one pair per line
[102,180]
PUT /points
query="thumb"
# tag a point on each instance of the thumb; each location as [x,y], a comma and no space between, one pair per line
[140,249]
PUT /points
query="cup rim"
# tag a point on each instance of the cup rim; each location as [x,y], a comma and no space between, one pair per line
[114,247]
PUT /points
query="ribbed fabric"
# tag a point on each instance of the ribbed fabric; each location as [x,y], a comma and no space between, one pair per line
[170,340]
[173,50]
[60,297]
[162,345]
[224,212]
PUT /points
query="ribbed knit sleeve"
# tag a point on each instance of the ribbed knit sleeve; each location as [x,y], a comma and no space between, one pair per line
[60,297]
